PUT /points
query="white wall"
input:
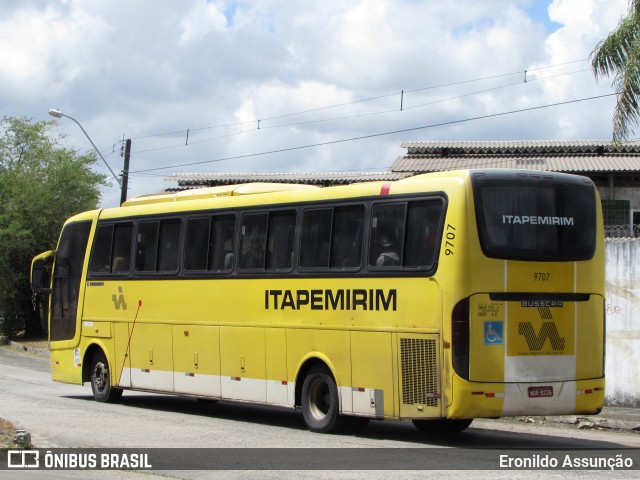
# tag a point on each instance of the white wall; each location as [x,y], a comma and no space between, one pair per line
[623,322]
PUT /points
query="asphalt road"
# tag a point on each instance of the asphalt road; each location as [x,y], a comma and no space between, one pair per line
[65,416]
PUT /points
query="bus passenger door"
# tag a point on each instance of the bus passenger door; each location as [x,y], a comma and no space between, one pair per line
[67,281]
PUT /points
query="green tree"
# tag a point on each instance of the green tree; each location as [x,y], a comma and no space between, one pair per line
[41,185]
[619,55]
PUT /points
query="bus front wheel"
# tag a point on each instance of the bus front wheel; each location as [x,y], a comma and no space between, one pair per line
[101,380]
[320,402]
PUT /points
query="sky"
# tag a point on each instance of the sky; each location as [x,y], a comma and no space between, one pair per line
[300,86]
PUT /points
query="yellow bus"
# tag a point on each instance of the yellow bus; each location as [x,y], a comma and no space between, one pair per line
[438,299]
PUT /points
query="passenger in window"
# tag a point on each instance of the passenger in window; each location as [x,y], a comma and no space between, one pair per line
[228,260]
[389,256]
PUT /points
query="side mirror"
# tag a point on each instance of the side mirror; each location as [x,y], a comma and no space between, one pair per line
[41,272]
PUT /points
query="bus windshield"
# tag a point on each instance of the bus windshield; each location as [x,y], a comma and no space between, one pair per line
[535,219]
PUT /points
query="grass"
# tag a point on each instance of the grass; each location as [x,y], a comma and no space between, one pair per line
[7,432]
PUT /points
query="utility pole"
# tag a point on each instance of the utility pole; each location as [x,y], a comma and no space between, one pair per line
[125,171]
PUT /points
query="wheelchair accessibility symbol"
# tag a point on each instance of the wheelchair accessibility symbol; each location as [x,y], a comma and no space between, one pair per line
[493,333]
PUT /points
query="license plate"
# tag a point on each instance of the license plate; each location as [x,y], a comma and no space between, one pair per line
[539,392]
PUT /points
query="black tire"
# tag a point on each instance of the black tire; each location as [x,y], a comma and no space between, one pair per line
[101,380]
[321,403]
[442,425]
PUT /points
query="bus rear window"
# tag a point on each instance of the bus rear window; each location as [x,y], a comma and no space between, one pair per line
[535,220]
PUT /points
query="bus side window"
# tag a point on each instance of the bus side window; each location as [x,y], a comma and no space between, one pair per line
[387,235]
[252,240]
[423,224]
[316,238]
[169,245]
[221,243]
[209,244]
[196,247]
[101,252]
[346,240]
[121,261]
[280,237]
[147,246]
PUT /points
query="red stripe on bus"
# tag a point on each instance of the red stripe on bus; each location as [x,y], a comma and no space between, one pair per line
[386,187]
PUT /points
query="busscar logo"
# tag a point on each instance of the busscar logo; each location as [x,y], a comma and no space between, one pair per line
[542,303]
[544,307]
[536,341]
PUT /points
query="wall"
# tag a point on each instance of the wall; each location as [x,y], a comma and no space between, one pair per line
[623,322]
[621,193]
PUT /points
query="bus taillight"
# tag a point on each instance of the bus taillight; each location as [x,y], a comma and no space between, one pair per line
[460,338]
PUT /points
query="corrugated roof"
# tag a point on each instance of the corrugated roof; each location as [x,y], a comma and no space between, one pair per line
[185,179]
[523,146]
[565,163]
[559,156]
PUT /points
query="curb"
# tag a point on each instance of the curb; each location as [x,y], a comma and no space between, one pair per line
[26,348]
[592,422]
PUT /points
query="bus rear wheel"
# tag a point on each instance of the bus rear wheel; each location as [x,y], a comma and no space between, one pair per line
[101,380]
[320,402]
[442,425]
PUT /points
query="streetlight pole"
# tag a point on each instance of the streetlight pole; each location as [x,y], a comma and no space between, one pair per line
[58,114]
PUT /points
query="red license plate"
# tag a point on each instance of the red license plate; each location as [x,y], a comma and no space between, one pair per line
[539,392]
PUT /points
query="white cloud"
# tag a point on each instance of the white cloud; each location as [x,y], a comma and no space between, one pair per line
[137,69]
[201,19]
[46,51]
[584,23]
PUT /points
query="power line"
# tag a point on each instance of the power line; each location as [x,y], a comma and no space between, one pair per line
[363,137]
[432,87]
[347,117]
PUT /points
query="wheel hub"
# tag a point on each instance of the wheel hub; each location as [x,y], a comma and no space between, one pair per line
[100,374]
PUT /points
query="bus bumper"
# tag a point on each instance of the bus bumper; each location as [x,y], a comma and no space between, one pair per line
[491,400]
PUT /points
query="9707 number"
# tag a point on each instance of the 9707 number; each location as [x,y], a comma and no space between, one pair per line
[449,237]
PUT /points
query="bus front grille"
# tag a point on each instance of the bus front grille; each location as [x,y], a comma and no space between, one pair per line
[418,361]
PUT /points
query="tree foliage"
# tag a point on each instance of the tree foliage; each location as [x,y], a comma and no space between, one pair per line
[619,55]
[41,185]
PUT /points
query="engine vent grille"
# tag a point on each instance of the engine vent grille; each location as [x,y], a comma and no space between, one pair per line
[418,360]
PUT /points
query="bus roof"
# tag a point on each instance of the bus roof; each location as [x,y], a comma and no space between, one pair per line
[251,194]
[212,192]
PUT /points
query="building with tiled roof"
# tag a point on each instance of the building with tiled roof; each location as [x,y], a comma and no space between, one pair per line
[581,157]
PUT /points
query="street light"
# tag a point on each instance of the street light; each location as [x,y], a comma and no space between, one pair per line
[58,114]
